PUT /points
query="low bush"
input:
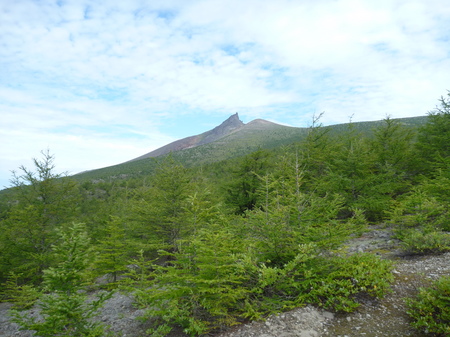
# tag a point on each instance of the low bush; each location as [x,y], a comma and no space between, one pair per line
[419,241]
[23,296]
[351,276]
[430,310]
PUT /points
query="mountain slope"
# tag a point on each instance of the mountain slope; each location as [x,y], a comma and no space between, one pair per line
[232,124]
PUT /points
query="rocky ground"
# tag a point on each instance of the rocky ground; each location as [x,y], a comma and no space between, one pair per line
[374,318]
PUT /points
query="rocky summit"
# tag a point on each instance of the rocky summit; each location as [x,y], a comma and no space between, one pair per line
[232,124]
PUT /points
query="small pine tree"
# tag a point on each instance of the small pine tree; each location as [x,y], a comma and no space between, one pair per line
[160,209]
[434,137]
[64,305]
[201,288]
[43,200]
[22,295]
[112,258]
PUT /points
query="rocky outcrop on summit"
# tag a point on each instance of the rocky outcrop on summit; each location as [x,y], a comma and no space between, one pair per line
[232,124]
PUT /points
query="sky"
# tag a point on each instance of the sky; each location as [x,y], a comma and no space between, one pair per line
[100,82]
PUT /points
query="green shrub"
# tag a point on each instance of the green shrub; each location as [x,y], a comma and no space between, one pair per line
[416,241]
[418,209]
[23,296]
[351,276]
[333,283]
[430,310]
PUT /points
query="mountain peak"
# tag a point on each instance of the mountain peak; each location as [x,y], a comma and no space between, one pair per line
[234,119]
[232,124]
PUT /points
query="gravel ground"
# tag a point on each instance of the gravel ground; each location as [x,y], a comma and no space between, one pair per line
[374,318]
[387,317]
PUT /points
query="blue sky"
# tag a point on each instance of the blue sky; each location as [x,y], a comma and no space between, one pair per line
[101,82]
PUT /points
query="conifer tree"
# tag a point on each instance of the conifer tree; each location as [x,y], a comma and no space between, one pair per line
[200,211]
[350,170]
[201,287]
[244,183]
[434,138]
[390,171]
[42,200]
[392,146]
[64,306]
[113,250]
[314,153]
[160,209]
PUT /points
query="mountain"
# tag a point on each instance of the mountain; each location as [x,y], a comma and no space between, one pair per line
[231,139]
[232,124]
[234,136]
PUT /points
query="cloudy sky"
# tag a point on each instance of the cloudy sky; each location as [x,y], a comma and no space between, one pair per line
[101,82]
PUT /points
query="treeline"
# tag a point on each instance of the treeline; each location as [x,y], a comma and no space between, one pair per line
[210,246]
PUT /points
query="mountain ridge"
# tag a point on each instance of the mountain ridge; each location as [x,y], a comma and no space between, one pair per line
[232,138]
[233,129]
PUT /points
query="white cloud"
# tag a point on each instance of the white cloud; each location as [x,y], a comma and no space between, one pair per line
[82,72]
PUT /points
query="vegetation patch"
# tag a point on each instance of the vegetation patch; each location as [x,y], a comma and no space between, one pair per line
[430,309]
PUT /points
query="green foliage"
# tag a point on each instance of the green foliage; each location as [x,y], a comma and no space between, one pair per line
[112,257]
[160,209]
[439,188]
[212,282]
[314,152]
[308,278]
[351,171]
[200,209]
[200,288]
[243,186]
[22,295]
[430,309]
[423,241]
[391,154]
[392,145]
[418,209]
[287,216]
[64,305]
[40,201]
[226,241]
[138,278]
[434,138]
[351,276]
[421,219]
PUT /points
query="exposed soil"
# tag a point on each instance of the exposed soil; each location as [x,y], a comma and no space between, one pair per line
[374,318]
